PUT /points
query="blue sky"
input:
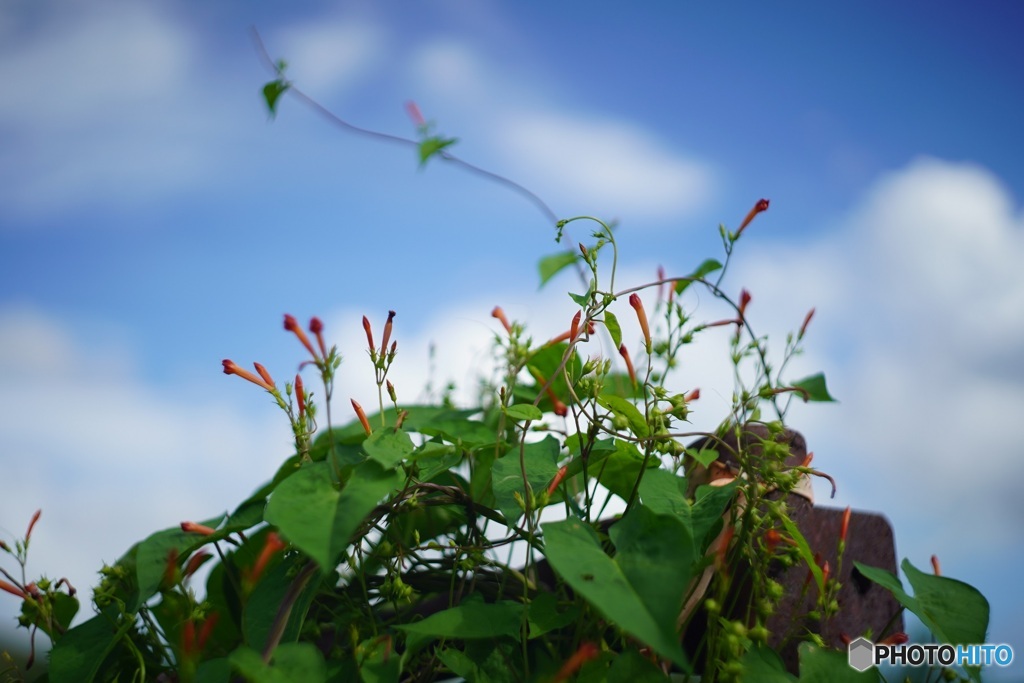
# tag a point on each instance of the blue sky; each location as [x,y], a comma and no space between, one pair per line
[153,222]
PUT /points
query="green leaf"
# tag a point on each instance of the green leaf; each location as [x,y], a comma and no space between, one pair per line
[955,612]
[267,597]
[214,671]
[378,663]
[582,299]
[665,493]
[623,408]
[433,145]
[813,389]
[575,553]
[818,665]
[152,555]
[619,473]
[388,447]
[290,662]
[541,462]
[317,517]
[472,619]
[612,323]
[633,667]
[703,270]
[657,555]
[762,664]
[549,266]
[524,411]
[544,616]
[78,654]
[705,456]
[272,92]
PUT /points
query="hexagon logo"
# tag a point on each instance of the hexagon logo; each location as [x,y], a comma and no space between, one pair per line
[861,654]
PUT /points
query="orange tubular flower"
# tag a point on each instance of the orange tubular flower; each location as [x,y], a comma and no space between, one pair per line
[361,414]
[316,326]
[807,321]
[894,639]
[771,540]
[500,315]
[744,300]
[195,562]
[387,333]
[171,569]
[230,368]
[193,528]
[292,325]
[300,395]
[574,329]
[32,523]
[845,525]
[12,589]
[584,654]
[206,630]
[641,316]
[693,395]
[935,565]
[629,363]
[557,481]
[762,205]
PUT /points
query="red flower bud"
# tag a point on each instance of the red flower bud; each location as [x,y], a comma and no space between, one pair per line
[316,326]
[387,333]
[807,460]
[744,300]
[845,525]
[292,325]
[171,569]
[894,639]
[586,652]
[300,395]
[369,336]
[230,368]
[575,327]
[361,414]
[415,114]
[31,524]
[271,547]
[771,540]
[500,315]
[557,480]
[194,528]
[762,205]
[807,321]
[264,374]
[195,562]
[641,316]
[629,363]
[693,395]
[935,565]
[206,630]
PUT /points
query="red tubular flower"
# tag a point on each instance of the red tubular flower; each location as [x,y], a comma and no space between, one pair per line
[272,546]
[12,589]
[361,414]
[316,326]
[807,321]
[557,481]
[935,565]
[641,316]
[762,205]
[561,410]
[369,335]
[824,573]
[629,363]
[195,562]
[693,395]
[300,395]
[387,333]
[415,114]
[264,374]
[772,538]
[32,523]
[230,368]
[188,639]
[292,325]
[807,460]
[171,569]
[586,652]
[845,525]
[500,315]
[194,528]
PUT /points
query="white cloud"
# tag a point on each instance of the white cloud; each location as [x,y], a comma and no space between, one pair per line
[329,56]
[108,458]
[614,168]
